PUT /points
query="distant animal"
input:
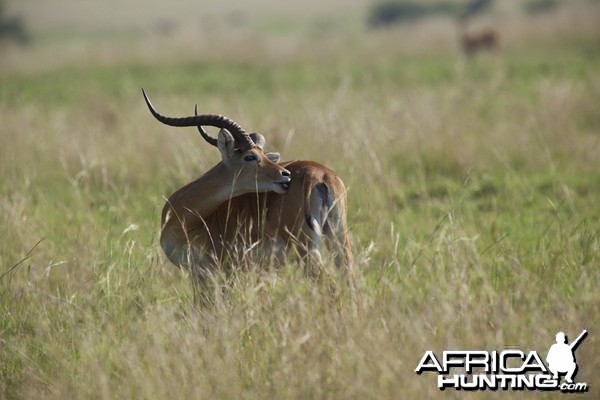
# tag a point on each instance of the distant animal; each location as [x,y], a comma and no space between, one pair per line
[251,199]
[472,42]
[479,41]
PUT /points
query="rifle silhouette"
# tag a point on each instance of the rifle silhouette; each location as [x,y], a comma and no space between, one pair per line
[578,340]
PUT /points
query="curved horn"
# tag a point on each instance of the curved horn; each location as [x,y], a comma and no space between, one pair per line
[203,133]
[219,121]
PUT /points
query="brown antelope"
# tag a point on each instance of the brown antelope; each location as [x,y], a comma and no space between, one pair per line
[475,41]
[484,40]
[250,198]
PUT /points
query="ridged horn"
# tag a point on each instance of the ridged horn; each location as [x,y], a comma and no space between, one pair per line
[203,133]
[219,121]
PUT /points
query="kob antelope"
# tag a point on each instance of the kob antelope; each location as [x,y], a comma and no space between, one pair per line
[474,41]
[484,40]
[251,198]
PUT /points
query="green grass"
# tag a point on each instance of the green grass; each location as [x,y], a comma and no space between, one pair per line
[474,209]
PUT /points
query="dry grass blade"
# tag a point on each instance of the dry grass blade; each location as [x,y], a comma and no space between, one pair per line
[27,256]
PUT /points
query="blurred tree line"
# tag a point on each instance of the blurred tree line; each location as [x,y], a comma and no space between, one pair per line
[387,12]
[539,6]
[12,27]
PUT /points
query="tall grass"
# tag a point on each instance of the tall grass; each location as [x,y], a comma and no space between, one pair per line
[473,207]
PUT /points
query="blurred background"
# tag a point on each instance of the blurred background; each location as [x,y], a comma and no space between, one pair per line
[37,35]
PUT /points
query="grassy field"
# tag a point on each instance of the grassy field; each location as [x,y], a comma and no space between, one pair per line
[474,201]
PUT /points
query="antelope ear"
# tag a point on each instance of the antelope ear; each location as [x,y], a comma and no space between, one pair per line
[273,157]
[258,139]
[226,144]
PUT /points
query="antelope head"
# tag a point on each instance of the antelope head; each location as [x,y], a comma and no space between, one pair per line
[242,154]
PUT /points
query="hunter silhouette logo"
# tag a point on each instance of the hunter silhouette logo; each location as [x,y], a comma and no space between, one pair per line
[560,357]
[508,369]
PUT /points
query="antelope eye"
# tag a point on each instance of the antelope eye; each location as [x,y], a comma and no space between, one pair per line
[250,158]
